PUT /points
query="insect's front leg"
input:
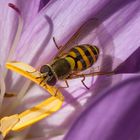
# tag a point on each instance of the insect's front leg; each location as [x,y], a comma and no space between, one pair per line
[60,49]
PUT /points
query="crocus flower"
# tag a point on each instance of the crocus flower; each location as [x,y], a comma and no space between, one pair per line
[114,30]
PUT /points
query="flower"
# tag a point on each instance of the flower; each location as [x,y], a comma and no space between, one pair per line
[113,116]
[113,22]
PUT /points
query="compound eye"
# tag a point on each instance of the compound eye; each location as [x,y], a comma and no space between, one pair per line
[44,69]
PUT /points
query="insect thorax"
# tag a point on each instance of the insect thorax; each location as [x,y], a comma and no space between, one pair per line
[62,68]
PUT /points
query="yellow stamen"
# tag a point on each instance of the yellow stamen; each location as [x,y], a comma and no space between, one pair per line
[30,116]
[7,123]
[38,113]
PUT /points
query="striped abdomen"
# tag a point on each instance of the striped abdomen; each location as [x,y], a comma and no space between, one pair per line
[82,57]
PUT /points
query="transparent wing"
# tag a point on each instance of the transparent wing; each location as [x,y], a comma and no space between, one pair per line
[100,37]
[93,32]
[83,31]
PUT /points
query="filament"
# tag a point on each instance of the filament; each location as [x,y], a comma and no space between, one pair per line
[20,96]
[2,87]
[18,33]
[21,136]
[1,137]
[26,85]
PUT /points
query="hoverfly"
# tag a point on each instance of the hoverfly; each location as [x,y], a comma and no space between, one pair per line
[69,65]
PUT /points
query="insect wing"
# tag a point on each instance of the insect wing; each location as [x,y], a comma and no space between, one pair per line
[83,32]
[106,62]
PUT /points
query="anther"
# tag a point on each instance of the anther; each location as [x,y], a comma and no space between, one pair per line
[14,7]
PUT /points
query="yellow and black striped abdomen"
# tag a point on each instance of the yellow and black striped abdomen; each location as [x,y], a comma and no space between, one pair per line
[82,57]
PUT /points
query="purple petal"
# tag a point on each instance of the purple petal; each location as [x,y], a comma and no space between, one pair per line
[43,3]
[112,116]
[63,33]
[62,19]
[29,10]
[131,64]
[62,28]
[36,46]
[124,34]
[9,22]
[8,26]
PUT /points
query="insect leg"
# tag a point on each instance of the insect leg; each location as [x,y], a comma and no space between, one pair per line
[56,43]
[90,74]
[40,81]
[67,86]
[60,48]
[84,83]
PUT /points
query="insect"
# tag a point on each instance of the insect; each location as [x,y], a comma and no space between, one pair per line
[69,65]
[79,58]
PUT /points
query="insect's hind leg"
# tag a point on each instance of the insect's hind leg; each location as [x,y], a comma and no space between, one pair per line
[84,82]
